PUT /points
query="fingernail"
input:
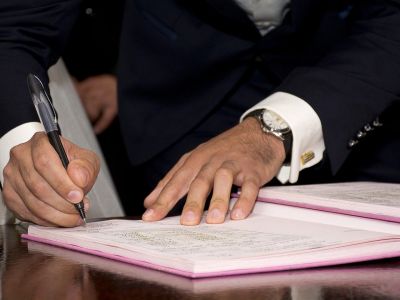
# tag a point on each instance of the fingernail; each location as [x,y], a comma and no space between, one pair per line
[74,196]
[237,214]
[215,214]
[148,214]
[188,217]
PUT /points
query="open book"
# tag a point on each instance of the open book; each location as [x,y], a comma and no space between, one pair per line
[365,199]
[275,237]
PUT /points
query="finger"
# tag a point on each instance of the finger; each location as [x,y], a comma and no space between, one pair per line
[38,187]
[15,204]
[42,210]
[24,169]
[93,110]
[152,197]
[198,192]
[49,166]
[223,182]
[247,198]
[84,166]
[105,119]
[173,191]
[85,85]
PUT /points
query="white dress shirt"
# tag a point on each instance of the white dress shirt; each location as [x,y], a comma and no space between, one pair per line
[308,144]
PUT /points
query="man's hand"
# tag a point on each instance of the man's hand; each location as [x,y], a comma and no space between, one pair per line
[37,188]
[99,97]
[243,156]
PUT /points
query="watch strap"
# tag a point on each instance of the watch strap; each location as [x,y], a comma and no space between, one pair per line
[287,138]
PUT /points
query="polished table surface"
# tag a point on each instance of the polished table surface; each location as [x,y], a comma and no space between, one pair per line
[31,270]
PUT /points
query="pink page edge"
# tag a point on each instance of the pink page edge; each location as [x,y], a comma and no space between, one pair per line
[213,274]
[329,209]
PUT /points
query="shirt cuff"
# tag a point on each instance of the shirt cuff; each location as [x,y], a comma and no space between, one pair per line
[16,136]
[308,142]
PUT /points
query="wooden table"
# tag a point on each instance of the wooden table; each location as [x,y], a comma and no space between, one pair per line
[36,271]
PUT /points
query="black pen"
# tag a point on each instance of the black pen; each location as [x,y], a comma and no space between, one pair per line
[48,118]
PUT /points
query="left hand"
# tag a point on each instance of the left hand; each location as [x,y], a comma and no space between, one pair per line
[243,156]
[99,98]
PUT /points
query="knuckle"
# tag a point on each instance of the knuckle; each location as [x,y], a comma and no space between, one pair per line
[200,182]
[161,206]
[196,155]
[38,138]
[183,175]
[8,194]
[37,187]
[218,202]
[61,187]
[41,161]
[252,182]
[171,192]
[246,199]
[192,205]
[224,172]
[15,152]
[161,182]
[38,135]
[8,171]
[186,155]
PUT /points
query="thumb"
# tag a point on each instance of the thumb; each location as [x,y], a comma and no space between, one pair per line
[83,168]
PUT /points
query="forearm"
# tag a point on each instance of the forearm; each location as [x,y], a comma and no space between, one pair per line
[32,36]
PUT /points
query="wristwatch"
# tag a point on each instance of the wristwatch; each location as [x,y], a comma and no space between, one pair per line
[272,123]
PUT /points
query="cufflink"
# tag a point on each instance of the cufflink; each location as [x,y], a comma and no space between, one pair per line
[306,157]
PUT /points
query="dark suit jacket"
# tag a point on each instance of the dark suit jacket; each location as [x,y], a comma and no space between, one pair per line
[92,48]
[179,59]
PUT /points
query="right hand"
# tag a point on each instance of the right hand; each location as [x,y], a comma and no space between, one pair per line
[37,188]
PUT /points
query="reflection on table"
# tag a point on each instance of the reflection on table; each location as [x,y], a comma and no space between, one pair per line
[32,270]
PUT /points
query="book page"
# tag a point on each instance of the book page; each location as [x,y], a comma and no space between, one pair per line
[256,236]
[387,194]
[326,217]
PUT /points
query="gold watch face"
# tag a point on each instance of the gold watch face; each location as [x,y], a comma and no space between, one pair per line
[274,122]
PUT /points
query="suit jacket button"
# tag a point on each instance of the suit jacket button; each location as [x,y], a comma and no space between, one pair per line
[352,143]
[258,59]
[361,134]
[377,123]
[368,127]
[89,11]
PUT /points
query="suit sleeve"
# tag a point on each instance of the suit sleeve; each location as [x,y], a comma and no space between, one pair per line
[32,36]
[358,80]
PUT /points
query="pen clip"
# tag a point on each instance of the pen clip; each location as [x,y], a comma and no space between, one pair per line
[42,103]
